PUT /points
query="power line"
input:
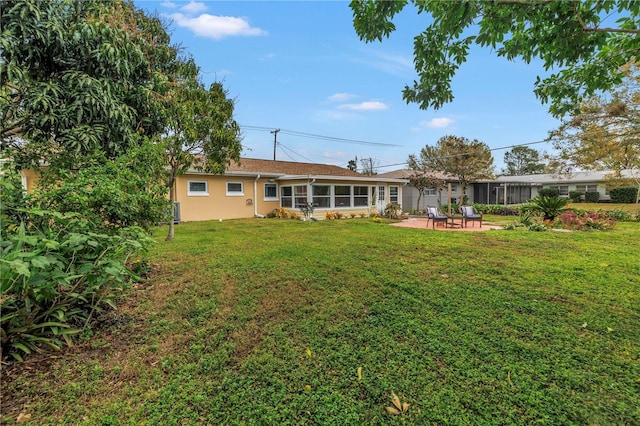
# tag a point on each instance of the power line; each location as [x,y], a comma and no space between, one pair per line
[316,136]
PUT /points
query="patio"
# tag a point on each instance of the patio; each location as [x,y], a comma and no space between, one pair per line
[421,222]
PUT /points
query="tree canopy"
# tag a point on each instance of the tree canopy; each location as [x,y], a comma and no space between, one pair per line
[457,156]
[522,160]
[583,42]
[604,134]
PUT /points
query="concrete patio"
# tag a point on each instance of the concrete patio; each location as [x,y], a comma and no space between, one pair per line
[421,222]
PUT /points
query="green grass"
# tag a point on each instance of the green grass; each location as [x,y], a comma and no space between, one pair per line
[267,322]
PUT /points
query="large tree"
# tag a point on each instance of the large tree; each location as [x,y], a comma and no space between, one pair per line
[583,42]
[201,132]
[79,81]
[605,133]
[422,181]
[522,160]
[465,159]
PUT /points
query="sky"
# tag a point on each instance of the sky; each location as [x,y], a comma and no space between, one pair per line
[300,67]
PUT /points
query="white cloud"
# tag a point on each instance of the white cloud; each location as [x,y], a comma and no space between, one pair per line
[438,123]
[341,97]
[169,5]
[217,27]
[194,7]
[365,106]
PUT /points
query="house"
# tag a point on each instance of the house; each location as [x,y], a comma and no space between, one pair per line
[520,189]
[254,188]
[505,189]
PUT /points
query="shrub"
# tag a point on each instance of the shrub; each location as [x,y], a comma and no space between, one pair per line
[392,210]
[586,221]
[56,276]
[627,195]
[550,207]
[549,192]
[575,196]
[591,196]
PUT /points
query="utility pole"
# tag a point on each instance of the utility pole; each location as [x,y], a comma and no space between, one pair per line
[275,142]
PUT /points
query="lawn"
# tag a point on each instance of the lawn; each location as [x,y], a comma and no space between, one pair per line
[291,323]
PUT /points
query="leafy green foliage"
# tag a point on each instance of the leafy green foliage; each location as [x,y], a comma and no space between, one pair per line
[392,210]
[575,196]
[522,160]
[550,207]
[549,192]
[586,221]
[55,276]
[79,78]
[571,38]
[591,197]
[623,195]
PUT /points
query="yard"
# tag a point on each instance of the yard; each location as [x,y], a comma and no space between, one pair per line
[285,322]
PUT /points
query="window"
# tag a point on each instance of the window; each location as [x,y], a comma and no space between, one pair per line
[235,189]
[430,191]
[322,196]
[563,190]
[343,196]
[198,188]
[300,196]
[270,191]
[587,188]
[454,188]
[393,194]
[382,193]
[286,196]
[360,196]
[293,196]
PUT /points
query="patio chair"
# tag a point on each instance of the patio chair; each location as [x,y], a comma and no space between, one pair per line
[435,215]
[469,214]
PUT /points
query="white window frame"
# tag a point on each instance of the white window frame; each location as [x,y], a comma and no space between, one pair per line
[328,197]
[394,198]
[204,193]
[430,191]
[266,198]
[563,190]
[587,188]
[235,193]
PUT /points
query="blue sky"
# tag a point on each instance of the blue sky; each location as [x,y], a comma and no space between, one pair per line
[300,67]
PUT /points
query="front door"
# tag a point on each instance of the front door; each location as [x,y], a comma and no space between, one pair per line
[381,199]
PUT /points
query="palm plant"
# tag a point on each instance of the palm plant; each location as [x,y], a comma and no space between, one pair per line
[550,207]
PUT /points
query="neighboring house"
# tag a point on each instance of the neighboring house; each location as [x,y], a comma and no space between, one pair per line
[431,196]
[518,189]
[256,187]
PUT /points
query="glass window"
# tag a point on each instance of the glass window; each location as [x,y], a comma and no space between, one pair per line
[342,196]
[562,189]
[382,193]
[322,196]
[270,191]
[198,187]
[300,196]
[586,188]
[286,196]
[393,194]
[235,188]
[360,196]
[430,191]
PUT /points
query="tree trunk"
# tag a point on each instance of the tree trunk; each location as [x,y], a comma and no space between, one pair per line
[172,200]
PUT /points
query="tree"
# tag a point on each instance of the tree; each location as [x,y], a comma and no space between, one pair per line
[201,132]
[79,81]
[604,134]
[573,37]
[352,165]
[457,156]
[422,180]
[522,160]
[369,166]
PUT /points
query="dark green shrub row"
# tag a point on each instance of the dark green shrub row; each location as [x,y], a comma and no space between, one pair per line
[549,192]
[624,195]
[575,196]
[591,197]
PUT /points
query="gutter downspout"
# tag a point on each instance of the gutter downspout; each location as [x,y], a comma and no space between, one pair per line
[255,198]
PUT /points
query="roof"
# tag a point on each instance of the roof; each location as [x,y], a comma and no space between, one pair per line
[574,177]
[256,166]
[290,170]
[406,174]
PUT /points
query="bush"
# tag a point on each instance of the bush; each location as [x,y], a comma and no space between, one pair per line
[591,196]
[392,211]
[550,207]
[549,192]
[627,195]
[56,276]
[586,221]
[575,196]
